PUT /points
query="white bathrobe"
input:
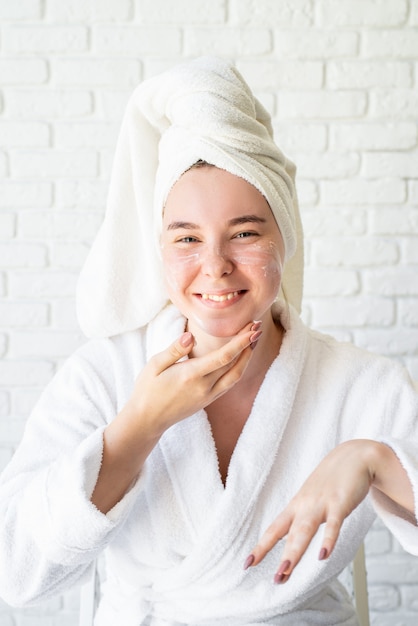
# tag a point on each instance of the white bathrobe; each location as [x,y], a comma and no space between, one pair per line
[175,545]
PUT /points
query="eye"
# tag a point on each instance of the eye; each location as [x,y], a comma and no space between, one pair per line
[187,239]
[245,235]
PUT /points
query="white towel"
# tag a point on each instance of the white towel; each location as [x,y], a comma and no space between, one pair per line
[200,110]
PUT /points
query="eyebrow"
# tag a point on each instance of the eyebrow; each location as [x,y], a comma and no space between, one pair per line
[236,221]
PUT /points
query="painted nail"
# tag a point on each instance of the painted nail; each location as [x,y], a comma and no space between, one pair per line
[255,325]
[186,339]
[255,336]
[323,554]
[281,572]
[249,561]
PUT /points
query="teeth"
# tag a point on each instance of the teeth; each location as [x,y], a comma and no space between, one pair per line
[222,298]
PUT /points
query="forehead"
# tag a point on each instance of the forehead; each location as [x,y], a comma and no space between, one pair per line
[210,191]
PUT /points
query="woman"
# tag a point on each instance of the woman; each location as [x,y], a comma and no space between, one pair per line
[205,412]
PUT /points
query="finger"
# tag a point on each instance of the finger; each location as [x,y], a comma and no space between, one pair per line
[180,348]
[331,534]
[226,377]
[274,533]
[227,356]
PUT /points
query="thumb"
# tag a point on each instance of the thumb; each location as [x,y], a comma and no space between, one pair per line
[180,348]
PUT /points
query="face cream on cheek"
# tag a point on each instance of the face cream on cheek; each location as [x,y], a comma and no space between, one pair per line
[260,258]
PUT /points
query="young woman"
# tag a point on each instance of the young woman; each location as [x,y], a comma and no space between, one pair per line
[208,442]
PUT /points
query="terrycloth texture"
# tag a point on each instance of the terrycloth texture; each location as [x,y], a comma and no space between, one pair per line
[176,543]
[199,110]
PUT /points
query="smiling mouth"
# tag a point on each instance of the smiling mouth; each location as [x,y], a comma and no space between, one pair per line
[221,297]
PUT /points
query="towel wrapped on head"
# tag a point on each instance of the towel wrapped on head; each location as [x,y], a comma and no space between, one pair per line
[200,110]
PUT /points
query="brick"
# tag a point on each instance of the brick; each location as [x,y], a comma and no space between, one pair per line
[362,191]
[24,400]
[298,13]
[378,541]
[282,74]
[227,41]
[401,281]
[111,105]
[391,44]
[321,104]
[348,13]
[320,282]
[307,191]
[402,164]
[68,255]
[54,38]
[394,103]
[85,134]
[411,364]
[49,104]
[182,12]
[81,193]
[351,312]
[413,13]
[19,254]
[316,44]
[23,314]
[393,342]
[355,252]
[3,165]
[23,134]
[2,285]
[304,137]
[7,225]
[387,221]
[402,568]
[384,598]
[138,40]
[410,249]
[373,136]
[23,373]
[367,74]
[107,158]
[327,165]
[24,194]
[54,163]
[410,597]
[344,222]
[22,10]
[11,431]
[93,73]
[58,225]
[46,284]
[23,71]
[4,404]
[63,315]
[413,191]
[3,344]
[89,10]
[408,311]
[49,344]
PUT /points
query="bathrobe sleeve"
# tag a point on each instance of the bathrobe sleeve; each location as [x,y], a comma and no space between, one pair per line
[401,426]
[49,529]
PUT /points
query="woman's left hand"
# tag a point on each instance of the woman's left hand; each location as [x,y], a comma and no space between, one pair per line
[335,488]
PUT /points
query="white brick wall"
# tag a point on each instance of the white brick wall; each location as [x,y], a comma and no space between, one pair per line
[340,78]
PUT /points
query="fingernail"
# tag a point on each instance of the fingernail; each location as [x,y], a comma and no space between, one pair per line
[255,336]
[186,339]
[249,561]
[256,325]
[323,554]
[280,574]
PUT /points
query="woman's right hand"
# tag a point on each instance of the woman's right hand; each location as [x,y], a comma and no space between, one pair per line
[168,390]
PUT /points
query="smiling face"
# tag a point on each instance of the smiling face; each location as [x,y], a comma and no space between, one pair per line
[222,251]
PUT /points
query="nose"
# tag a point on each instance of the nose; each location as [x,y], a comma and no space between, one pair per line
[216,262]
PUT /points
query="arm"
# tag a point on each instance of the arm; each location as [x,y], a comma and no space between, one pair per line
[167,391]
